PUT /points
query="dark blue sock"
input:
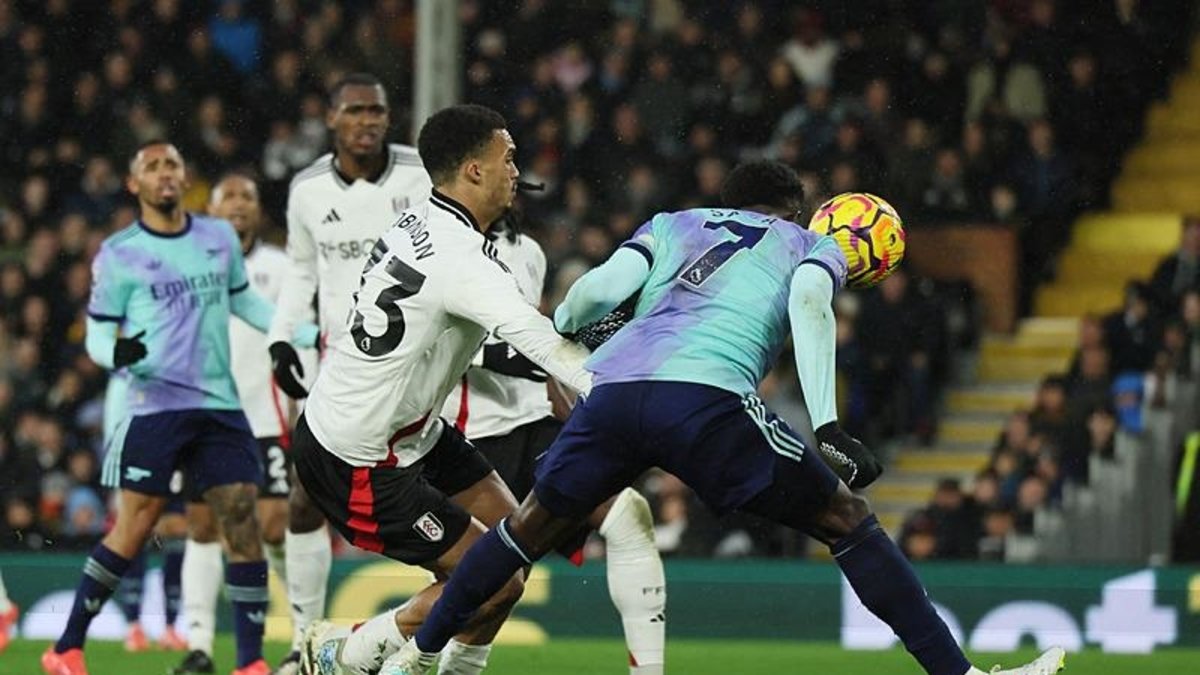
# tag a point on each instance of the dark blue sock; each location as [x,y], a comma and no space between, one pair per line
[485,568]
[172,577]
[246,586]
[886,583]
[101,574]
[129,593]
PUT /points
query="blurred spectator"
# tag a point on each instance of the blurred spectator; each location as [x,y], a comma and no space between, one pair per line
[945,195]
[1079,111]
[1002,77]
[662,103]
[1100,428]
[911,164]
[1128,390]
[237,37]
[1031,496]
[1091,385]
[1132,332]
[1049,417]
[998,524]
[897,338]
[958,521]
[1047,190]
[1180,272]
[811,53]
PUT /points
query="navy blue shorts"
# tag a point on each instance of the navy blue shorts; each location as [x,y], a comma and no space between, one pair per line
[209,447]
[733,452]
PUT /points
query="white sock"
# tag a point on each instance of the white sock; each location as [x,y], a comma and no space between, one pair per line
[975,671]
[309,557]
[277,560]
[636,582]
[202,574]
[372,642]
[4,601]
[463,659]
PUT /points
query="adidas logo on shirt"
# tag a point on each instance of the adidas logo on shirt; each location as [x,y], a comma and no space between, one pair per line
[331,217]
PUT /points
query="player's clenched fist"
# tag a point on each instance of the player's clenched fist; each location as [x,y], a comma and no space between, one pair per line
[129,350]
[847,456]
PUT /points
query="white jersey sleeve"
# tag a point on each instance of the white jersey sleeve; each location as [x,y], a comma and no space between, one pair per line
[492,299]
[300,283]
[265,406]
[487,404]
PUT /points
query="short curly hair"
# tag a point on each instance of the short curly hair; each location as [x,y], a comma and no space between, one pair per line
[765,183]
[453,135]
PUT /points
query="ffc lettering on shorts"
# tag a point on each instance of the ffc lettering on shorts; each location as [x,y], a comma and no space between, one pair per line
[429,527]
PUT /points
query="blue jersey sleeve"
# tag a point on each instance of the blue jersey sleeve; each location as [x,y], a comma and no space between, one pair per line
[643,240]
[110,287]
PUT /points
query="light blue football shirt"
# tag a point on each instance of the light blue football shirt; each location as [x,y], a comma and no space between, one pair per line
[714,308]
[177,289]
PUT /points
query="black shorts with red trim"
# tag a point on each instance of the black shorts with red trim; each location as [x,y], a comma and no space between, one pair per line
[404,513]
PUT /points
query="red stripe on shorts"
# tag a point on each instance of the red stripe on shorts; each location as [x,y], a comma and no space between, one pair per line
[362,511]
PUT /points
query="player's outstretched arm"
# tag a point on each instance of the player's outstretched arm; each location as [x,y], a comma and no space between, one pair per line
[247,305]
[814,336]
[489,296]
[600,290]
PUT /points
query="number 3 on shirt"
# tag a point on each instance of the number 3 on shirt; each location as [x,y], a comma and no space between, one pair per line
[747,236]
[409,283]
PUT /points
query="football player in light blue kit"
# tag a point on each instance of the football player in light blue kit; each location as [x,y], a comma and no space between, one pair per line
[162,293]
[170,531]
[720,289]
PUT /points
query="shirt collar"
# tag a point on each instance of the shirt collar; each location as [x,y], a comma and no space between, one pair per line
[456,209]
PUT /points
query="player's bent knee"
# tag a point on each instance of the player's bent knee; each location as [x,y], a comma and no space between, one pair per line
[273,521]
[303,514]
[203,532]
[848,510]
[629,520]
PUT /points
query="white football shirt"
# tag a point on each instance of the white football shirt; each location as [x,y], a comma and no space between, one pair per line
[431,291]
[486,403]
[266,407]
[332,226]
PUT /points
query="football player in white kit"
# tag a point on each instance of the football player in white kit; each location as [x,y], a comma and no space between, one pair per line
[502,407]
[337,208]
[236,199]
[371,448]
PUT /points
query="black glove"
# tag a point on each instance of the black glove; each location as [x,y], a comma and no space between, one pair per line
[599,331]
[502,358]
[285,364]
[847,456]
[129,350]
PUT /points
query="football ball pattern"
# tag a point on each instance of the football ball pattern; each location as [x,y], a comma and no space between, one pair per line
[869,232]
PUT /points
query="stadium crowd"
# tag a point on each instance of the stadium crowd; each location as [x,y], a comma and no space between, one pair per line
[1125,362]
[959,112]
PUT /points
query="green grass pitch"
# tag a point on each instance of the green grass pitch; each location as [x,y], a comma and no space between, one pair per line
[607,657]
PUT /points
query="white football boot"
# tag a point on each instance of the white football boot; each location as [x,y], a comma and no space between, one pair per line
[409,661]
[322,649]
[1051,661]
